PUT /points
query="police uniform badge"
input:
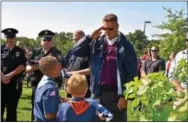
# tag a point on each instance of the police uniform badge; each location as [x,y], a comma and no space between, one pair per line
[9,30]
[17,54]
[46,32]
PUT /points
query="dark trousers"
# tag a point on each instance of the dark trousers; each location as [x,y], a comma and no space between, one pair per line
[32,102]
[9,100]
[109,99]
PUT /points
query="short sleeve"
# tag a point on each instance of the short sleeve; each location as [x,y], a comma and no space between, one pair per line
[63,112]
[22,59]
[60,115]
[51,101]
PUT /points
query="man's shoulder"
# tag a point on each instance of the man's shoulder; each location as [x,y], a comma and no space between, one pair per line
[55,50]
[37,51]
[19,49]
[161,60]
[180,55]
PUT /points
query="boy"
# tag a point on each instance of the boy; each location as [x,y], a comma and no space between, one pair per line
[78,108]
[47,97]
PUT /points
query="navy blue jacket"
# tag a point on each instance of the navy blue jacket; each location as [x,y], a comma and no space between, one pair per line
[126,63]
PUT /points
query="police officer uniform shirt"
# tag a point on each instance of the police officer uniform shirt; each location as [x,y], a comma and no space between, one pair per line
[10,60]
[47,99]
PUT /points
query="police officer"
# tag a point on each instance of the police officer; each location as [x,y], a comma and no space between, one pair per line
[13,63]
[77,59]
[46,49]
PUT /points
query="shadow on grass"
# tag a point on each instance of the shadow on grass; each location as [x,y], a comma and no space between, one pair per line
[25,109]
[25,97]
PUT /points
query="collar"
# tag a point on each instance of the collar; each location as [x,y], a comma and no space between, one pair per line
[78,98]
[112,41]
[44,80]
[8,48]
[79,41]
[47,51]
[185,51]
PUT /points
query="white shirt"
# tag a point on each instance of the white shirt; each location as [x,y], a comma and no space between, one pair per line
[181,55]
[112,41]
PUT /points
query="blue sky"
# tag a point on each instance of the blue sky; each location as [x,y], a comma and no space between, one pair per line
[31,17]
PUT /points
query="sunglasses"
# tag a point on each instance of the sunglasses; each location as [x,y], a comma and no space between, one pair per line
[109,29]
[47,39]
[154,50]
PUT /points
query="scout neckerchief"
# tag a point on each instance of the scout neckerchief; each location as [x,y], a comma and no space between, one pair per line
[79,105]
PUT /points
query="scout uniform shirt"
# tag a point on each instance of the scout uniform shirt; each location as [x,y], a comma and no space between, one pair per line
[77,110]
[47,99]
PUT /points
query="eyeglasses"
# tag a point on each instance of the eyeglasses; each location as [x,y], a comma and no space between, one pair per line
[109,29]
[154,50]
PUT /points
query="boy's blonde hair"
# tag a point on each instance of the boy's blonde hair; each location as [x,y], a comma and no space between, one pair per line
[77,84]
[47,63]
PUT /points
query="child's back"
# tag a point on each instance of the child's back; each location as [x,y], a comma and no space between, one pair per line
[77,110]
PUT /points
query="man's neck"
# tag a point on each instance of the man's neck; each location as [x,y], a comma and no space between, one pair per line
[154,58]
[10,47]
[46,50]
[115,35]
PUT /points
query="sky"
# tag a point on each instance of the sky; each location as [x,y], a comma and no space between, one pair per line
[32,17]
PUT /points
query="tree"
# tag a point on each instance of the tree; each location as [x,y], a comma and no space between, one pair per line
[174,40]
[27,42]
[139,41]
[63,41]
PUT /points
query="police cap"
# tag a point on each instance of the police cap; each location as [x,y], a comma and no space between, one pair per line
[46,35]
[10,32]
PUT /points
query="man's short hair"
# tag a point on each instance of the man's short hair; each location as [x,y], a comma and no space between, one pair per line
[47,63]
[77,84]
[81,33]
[110,17]
[156,47]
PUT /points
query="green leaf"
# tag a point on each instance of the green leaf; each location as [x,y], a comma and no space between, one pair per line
[142,90]
[135,102]
[130,96]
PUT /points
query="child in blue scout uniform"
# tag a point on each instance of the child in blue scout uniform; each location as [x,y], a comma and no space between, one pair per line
[47,97]
[78,108]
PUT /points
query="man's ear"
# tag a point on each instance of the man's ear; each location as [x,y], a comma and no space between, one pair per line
[117,26]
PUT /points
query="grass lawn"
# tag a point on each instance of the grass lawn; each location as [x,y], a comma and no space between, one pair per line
[24,106]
